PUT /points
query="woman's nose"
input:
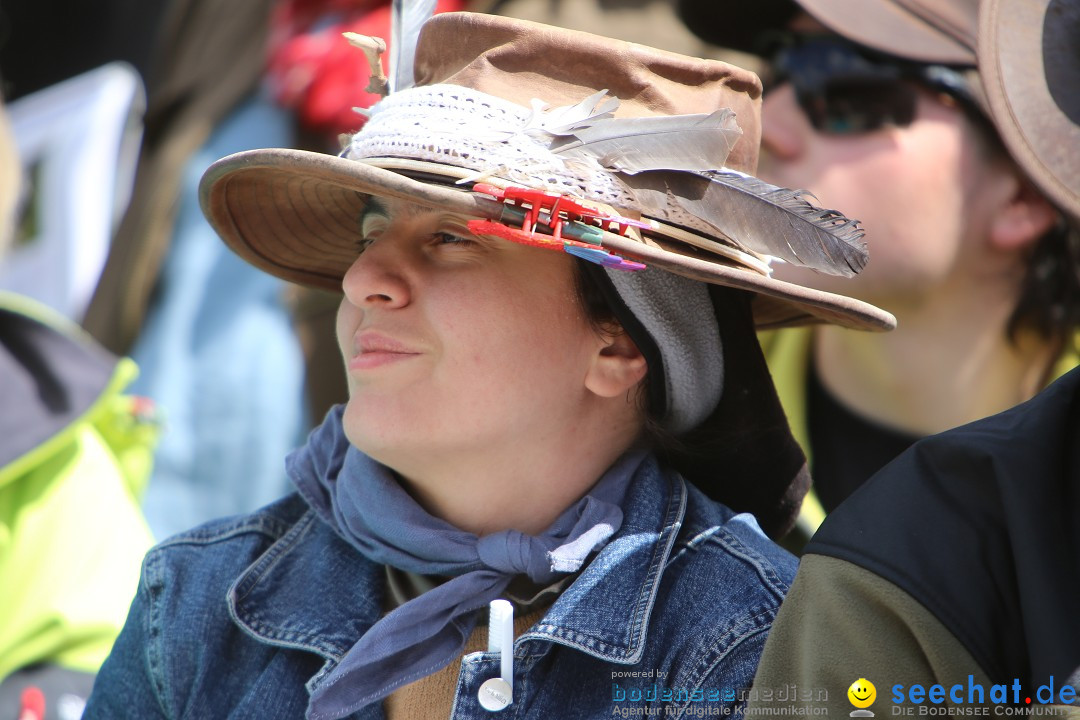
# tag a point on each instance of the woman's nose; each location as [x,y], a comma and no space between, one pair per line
[377,277]
[784,127]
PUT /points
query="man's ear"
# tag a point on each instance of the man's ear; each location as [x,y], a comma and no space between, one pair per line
[617,367]
[1024,218]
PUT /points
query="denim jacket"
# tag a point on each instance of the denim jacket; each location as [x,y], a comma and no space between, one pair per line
[242,618]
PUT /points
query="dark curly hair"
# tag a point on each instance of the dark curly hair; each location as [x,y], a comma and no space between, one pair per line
[1049,301]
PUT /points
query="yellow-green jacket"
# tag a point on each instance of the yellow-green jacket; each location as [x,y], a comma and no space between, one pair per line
[75,454]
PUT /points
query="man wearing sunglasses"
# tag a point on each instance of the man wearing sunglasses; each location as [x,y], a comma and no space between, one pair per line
[951,579]
[877,108]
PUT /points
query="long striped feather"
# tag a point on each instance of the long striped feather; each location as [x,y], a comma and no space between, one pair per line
[757,216]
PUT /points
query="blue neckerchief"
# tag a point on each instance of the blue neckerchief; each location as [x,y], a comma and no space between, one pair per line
[364,503]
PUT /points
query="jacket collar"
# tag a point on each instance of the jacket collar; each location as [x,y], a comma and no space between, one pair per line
[283,598]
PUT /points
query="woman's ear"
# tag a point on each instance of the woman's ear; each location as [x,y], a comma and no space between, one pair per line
[1024,218]
[617,367]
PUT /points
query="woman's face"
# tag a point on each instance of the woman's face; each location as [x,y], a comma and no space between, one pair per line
[923,192]
[453,343]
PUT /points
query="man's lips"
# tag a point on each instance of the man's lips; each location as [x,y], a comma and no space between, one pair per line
[375,350]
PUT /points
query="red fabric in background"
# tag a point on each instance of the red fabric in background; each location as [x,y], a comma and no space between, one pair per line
[315,72]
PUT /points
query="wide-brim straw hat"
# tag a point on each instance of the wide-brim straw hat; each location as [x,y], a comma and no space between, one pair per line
[478,78]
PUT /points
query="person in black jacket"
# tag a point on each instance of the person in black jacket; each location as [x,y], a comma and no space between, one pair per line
[952,577]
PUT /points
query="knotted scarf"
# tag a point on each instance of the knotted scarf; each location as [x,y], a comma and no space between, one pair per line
[366,506]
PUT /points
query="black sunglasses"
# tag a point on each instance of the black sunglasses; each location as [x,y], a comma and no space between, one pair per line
[845,89]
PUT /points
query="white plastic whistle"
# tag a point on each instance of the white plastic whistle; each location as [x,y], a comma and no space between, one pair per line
[497,693]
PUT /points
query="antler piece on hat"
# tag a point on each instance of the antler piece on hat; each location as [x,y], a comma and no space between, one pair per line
[373,49]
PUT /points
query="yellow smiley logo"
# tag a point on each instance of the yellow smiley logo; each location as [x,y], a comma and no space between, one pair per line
[862,693]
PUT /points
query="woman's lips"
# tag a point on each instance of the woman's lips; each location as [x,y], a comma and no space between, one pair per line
[375,350]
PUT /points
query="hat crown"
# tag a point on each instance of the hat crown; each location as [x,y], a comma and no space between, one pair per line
[518,60]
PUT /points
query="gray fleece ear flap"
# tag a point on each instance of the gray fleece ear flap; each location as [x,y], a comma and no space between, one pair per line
[677,316]
[741,451]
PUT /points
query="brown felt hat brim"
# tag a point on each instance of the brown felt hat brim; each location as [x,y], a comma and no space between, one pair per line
[295,214]
[1029,59]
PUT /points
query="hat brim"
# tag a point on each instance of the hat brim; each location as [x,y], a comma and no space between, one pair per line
[295,214]
[1029,64]
[922,31]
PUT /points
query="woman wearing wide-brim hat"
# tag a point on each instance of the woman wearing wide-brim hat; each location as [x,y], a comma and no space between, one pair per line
[556,398]
[967,177]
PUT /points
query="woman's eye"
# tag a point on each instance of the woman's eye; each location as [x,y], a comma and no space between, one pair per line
[449,239]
